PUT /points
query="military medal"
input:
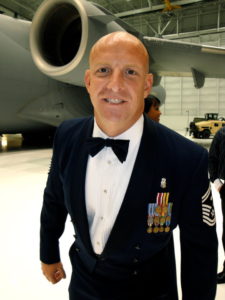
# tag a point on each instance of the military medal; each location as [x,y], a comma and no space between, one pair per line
[156,229]
[149,230]
[167,229]
[165,210]
[159,213]
[170,208]
[150,220]
[168,218]
[162,222]
[158,210]
[156,223]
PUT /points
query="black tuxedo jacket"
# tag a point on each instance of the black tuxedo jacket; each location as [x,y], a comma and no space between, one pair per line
[138,259]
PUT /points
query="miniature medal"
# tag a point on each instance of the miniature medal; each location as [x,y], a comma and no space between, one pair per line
[163,183]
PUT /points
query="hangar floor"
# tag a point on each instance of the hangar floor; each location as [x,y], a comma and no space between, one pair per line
[22,179]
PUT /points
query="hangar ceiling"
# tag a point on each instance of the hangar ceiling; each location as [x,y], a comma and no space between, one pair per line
[197,21]
[148,16]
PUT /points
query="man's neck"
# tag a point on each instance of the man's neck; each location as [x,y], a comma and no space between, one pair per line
[113,129]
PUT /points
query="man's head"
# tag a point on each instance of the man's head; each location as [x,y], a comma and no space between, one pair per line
[118,81]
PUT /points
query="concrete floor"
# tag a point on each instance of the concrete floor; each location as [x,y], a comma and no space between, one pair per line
[22,179]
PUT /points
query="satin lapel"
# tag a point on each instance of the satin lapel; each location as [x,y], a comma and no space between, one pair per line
[77,172]
[139,191]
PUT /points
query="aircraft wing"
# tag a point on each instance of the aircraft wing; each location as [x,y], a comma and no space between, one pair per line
[42,81]
[84,23]
[176,58]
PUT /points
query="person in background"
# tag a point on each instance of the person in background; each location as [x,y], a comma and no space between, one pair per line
[152,109]
[217,176]
[154,101]
[126,183]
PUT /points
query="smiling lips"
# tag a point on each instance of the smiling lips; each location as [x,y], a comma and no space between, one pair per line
[114,101]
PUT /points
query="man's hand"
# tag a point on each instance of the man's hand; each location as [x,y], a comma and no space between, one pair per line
[53,272]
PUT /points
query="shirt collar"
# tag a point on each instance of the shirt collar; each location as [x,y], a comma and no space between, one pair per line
[133,134]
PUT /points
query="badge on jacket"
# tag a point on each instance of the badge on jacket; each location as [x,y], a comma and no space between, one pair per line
[208,212]
[159,214]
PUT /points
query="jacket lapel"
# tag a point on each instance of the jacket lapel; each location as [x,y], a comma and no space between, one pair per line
[140,189]
[77,173]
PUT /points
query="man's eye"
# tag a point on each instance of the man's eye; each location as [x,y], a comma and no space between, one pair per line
[103,70]
[131,72]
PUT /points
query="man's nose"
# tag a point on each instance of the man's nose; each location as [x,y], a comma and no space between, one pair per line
[116,81]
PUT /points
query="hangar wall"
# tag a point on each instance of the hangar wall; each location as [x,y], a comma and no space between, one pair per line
[184,101]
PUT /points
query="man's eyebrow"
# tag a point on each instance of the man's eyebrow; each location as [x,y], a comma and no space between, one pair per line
[101,63]
[133,66]
[107,64]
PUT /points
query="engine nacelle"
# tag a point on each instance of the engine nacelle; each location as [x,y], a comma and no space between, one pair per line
[62,34]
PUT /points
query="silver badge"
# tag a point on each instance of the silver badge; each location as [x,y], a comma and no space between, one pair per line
[163,183]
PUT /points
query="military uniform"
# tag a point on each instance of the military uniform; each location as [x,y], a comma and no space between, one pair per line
[169,186]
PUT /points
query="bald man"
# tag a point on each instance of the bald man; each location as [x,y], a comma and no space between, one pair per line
[126,183]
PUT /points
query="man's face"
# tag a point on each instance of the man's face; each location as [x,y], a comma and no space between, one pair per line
[117,83]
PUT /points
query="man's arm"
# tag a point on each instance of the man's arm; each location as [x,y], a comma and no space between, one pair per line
[198,236]
[53,218]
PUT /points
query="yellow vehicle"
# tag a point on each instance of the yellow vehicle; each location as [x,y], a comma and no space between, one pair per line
[204,129]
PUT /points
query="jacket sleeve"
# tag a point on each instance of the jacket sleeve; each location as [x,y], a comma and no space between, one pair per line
[53,213]
[214,157]
[198,235]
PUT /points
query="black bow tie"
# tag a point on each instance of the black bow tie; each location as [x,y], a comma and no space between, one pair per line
[119,147]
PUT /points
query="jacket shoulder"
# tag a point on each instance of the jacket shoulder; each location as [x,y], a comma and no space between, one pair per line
[175,138]
[72,125]
[70,129]
[69,132]
[178,147]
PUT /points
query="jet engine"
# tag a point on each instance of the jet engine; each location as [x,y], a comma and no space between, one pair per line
[62,34]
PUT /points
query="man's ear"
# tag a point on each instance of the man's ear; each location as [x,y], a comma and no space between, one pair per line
[87,79]
[148,84]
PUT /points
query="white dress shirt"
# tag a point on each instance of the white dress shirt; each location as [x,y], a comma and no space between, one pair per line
[106,184]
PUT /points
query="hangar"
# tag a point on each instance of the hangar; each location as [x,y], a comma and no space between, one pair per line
[196,21]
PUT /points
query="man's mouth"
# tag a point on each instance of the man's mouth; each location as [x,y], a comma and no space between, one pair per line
[114,101]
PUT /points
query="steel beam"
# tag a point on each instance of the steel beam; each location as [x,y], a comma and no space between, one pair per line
[153,8]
